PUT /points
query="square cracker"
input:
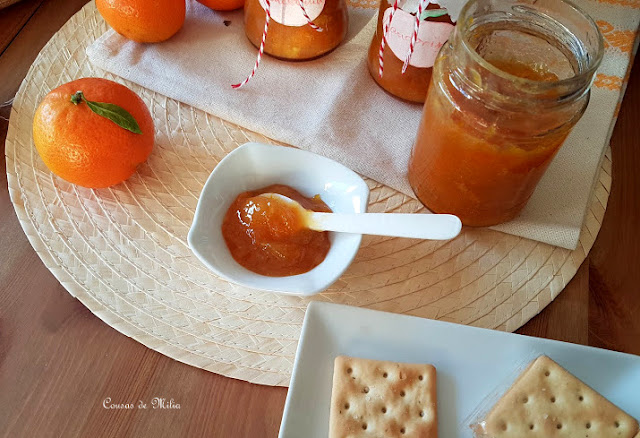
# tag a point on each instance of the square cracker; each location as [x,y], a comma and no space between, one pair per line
[548,401]
[372,398]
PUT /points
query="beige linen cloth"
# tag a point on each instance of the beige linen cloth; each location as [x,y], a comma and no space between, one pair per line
[333,107]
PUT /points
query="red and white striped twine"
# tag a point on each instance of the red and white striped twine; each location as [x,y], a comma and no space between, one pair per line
[384,39]
[309,21]
[261,50]
[414,36]
[264,39]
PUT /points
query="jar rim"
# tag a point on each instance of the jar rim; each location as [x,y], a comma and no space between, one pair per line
[583,76]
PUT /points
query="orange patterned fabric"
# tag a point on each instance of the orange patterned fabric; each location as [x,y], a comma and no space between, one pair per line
[619,39]
[609,82]
[625,3]
[618,21]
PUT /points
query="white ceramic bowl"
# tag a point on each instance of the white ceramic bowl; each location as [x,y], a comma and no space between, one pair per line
[253,166]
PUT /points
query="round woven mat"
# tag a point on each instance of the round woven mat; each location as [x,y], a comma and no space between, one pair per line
[123,253]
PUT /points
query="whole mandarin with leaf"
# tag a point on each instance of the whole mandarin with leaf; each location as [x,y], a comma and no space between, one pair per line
[93,132]
[144,21]
[223,5]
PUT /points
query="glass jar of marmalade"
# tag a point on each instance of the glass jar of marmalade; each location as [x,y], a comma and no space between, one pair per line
[433,31]
[505,93]
[290,36]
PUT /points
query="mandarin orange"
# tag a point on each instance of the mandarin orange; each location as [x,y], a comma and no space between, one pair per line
[223,5]
[86,148]
[144,21]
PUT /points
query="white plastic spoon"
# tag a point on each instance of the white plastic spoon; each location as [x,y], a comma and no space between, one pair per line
[418,226]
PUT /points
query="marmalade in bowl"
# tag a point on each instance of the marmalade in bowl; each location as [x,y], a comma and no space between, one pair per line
[270,238]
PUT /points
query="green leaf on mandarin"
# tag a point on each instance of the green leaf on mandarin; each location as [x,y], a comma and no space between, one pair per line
[113,112]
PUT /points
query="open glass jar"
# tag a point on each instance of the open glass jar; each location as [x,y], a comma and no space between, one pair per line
[505,93]
[290,36]
[433,31]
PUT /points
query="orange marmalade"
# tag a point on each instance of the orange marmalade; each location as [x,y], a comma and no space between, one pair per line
[269,238]
[289,36]
[502,100]
[413,83]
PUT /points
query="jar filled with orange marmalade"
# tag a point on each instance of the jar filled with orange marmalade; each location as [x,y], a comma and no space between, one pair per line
[505,93]
[433,31]
[289,35]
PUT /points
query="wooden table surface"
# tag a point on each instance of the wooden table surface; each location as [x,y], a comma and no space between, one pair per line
[59,363]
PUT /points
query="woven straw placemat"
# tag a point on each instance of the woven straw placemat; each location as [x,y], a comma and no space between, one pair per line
[123,253]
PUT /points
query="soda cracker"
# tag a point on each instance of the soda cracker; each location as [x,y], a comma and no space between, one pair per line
[548,401]
[373,398]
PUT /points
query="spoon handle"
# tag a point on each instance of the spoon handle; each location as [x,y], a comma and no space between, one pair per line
[419,226]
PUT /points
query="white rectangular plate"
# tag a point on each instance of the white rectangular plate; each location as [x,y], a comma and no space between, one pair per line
[471,363]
